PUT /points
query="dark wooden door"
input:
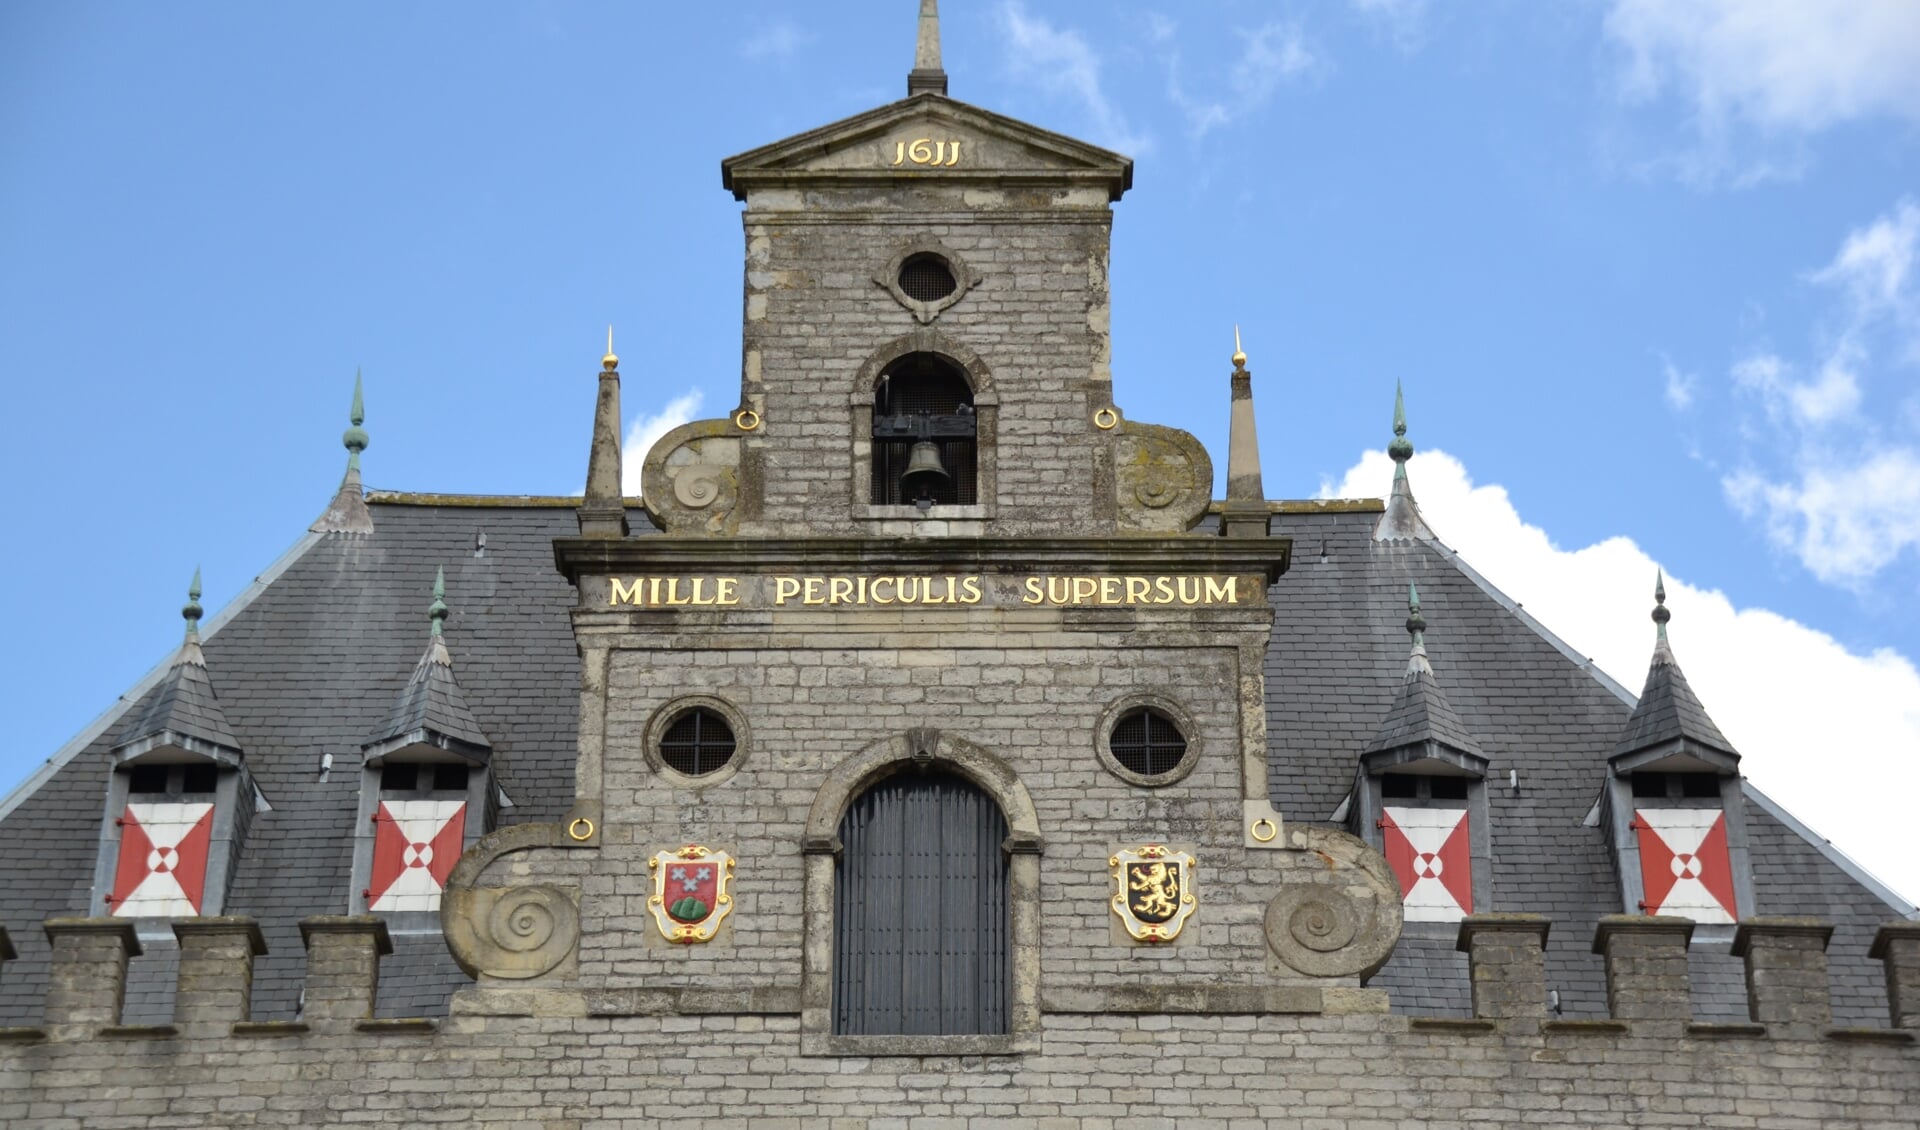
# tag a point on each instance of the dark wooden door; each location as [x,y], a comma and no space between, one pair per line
[920,910]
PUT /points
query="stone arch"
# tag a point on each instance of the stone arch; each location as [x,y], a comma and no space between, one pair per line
[924,340]
[821,845]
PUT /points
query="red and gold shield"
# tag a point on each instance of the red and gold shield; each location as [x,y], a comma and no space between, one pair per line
[690,897]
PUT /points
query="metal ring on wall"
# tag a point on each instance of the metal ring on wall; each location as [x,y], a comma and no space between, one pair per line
[1105,419]
[1272,830]
[581,828]
[747,420]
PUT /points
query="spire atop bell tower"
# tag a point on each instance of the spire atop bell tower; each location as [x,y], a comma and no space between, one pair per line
[926,77]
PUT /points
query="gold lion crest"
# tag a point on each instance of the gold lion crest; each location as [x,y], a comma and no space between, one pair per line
[690,897]
[1153,891]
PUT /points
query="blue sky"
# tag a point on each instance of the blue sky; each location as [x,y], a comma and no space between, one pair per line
[1645,269]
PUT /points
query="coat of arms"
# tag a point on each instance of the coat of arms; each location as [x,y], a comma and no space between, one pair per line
[690,892]
[1153,891]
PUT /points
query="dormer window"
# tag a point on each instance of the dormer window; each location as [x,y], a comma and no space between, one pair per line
[180,799]
[924,433]
[425,790]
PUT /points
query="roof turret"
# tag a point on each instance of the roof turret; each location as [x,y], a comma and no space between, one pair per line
[1668,710]
[1421,717]
[431,710]
[183,715]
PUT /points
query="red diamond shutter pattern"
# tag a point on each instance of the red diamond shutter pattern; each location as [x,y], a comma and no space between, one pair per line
[162,869]
[1684,865]
[415,845]
[1431,853]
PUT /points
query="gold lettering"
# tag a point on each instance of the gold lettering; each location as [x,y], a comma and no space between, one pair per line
[1162,590]
[1034,593]
[810,591]
[1137,590]
[969,590]
[1084,589]
[899,152]
[953,597]
[939,152]
[920,152]
[1059,590]
[625,594]
[1109,590]
[653,592]
[909,588]
[840,590]
[673,591]
[1186,596]
[1220,590]
[784,587]
[875,590]
[862,598]
[698,583]
[723,590]
[955,159]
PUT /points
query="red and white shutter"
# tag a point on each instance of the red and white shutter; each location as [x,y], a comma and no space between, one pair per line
[1431,853]
[162,869]
[1684,866]
[415,845]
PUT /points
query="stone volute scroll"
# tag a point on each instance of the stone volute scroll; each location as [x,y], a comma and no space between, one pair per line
[1339,912]
[1162,477]
[514,932]
[691,480]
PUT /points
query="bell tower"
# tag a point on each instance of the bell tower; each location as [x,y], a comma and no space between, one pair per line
[926,346]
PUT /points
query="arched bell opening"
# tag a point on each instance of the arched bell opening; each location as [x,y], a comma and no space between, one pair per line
[925,434]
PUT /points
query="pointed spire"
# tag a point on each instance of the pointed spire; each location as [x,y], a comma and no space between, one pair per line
[1668,710]
[348,513]
[437,611]
[927,77]
[1246,511]
[603,513]
[1402,519]
[191,610]
[183,714]
[431,709]
[1421,714]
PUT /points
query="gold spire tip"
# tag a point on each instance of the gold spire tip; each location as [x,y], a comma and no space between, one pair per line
[1239,354]
[609,362]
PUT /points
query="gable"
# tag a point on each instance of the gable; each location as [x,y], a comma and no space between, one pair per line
[923,137]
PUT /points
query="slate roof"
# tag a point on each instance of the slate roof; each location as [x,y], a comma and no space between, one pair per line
[1421,713]
[184,703]
[431,701]
[314,661]
[1668,710]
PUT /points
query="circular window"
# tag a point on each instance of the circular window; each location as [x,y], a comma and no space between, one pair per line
[926,278]
[1147,743]
[697,742]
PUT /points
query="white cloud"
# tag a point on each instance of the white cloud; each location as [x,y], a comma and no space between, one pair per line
[646,430]
[1758,77]
[1785,65]
[776,40]
[1831,734]
[1830,481]
[1682,387]
[1404,21]
[1273,54]
[1062,63]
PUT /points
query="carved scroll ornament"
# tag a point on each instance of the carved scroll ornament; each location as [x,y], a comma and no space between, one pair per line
[1162,477]
[1339,914]
[690,481]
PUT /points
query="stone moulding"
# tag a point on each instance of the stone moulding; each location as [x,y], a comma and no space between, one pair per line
[1162,478]
[1340,915]
[965,278]
[690,480]
[510,933]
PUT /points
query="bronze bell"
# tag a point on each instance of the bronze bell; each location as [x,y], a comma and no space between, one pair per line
[925,473]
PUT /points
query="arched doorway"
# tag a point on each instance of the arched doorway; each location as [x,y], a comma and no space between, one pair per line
[920,914]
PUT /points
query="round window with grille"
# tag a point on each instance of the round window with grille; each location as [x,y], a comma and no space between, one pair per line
[697,742]
[926,278]
[1147,743]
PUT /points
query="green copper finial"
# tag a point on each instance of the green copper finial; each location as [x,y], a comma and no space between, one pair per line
[1416,624]
[191,610]
[1660,613]
[355,437]
[437,611]
[1401,449]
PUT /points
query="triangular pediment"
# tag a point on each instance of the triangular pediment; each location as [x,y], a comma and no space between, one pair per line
[925,136]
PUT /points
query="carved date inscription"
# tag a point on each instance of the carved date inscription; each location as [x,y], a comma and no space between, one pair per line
[926,151]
